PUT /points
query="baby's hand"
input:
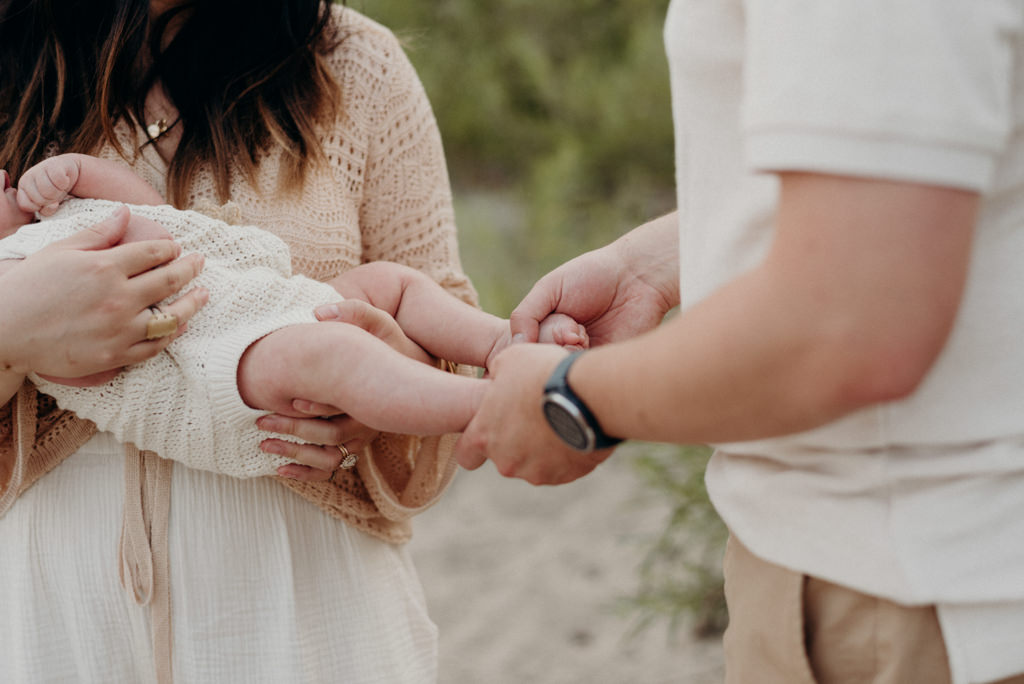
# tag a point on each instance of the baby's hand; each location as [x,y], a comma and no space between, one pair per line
[565,331]
[43,187]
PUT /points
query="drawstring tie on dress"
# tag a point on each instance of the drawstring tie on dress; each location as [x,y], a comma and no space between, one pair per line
[144,564]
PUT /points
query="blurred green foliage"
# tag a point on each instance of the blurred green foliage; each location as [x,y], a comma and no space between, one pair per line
[557,125]
[556,121]
[680,578]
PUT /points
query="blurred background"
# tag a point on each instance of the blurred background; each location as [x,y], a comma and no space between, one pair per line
[556,121]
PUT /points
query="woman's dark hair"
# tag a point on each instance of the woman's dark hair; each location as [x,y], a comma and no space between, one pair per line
[243,74]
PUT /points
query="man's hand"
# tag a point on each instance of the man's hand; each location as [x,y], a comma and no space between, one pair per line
[510,428]
[616,292]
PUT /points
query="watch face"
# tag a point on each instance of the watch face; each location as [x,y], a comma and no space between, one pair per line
[567,423]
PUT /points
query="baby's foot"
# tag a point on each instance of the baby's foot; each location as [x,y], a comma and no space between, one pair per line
[565,331]
[555,329]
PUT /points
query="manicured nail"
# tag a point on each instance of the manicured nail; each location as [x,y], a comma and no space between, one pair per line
[273,448]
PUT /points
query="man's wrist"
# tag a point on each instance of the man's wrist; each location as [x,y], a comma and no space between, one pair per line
[568,415]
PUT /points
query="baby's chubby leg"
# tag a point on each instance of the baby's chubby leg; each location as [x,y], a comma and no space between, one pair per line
[443,325]
[342,365]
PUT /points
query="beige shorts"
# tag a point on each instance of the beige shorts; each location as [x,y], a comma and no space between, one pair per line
[789,628]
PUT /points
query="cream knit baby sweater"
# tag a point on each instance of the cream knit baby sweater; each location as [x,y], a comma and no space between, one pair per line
[183,403]
[382,195]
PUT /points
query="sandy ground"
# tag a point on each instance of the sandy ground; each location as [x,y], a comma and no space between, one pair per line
[521,580]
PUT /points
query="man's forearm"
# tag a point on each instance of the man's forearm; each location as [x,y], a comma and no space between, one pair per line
[851,307]
[739,366]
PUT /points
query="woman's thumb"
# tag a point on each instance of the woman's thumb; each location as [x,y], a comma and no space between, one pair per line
[102,235]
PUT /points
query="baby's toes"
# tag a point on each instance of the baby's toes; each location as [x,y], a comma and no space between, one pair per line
[563,330]
[572,337]
[583,339]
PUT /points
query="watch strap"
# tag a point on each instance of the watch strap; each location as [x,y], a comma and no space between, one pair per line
[558,382]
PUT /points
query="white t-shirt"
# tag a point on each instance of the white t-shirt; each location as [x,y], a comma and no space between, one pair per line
[919,500]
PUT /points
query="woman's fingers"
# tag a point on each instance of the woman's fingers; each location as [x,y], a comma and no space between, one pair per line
[86,380]
[375,321]
[320,431]
[311,408]
[163,281]
[183,308]
[325,458]
[328,444]
[186,306]
[294,471]
[136,258]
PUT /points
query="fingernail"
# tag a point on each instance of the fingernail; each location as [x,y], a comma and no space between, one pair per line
[284,471]
[203,294]
[268,424]
[518,338]
[327,311]
[273,448]
[302,406]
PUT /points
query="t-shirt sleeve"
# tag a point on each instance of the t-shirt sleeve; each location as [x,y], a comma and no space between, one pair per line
[917,90]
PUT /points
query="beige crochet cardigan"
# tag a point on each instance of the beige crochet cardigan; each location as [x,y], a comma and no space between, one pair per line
[383,196]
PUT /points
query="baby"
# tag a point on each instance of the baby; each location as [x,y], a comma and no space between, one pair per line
[256,346]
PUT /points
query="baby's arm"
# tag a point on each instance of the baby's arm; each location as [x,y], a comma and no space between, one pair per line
[43,187]
[443,325]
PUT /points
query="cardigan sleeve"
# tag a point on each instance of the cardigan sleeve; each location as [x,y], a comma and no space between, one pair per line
[407,215]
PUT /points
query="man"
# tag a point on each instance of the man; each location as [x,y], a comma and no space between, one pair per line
[850,220]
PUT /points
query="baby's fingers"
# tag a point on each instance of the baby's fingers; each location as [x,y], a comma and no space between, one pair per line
[29,201]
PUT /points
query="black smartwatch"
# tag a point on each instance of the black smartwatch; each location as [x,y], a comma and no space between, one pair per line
[568,416]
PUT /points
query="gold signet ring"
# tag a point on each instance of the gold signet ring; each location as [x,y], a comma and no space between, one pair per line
[160,324]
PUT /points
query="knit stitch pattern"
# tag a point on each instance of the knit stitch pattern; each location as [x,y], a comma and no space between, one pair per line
[383,195]
[183,403]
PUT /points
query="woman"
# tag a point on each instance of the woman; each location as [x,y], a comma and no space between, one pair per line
[306,120]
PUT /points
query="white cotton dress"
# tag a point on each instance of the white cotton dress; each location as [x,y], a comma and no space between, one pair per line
[325,603]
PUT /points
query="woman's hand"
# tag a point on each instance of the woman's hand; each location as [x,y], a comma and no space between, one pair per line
[81,305]
[329,440]
[332,435]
